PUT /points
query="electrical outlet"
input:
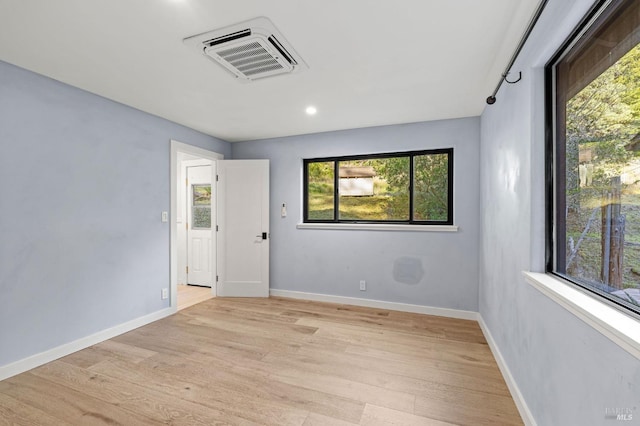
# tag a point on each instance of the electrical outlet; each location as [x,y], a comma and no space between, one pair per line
[363,285]
[165,293]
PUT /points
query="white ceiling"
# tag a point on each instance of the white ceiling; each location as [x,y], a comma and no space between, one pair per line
[371,62]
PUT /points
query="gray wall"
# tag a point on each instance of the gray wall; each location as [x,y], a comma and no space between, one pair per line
[334,261]
[567,372]
[82,183]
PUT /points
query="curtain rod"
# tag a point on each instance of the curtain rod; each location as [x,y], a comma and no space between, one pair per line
[492,99]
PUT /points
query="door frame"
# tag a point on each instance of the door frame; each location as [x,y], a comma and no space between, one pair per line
[176,148]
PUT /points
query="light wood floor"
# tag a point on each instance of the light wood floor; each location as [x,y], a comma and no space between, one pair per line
[189,295]
[272,362]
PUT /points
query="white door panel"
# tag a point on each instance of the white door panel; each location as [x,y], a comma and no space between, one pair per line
[243,218]
[199,226]
[201,254]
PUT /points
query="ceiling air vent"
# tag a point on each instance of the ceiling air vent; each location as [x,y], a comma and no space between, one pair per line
[249,50]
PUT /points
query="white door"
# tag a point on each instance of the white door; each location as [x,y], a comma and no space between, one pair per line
[243,237]
[199,231]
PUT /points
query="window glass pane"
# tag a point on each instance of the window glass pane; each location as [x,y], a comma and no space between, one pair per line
[320,190]
[374,189]
[430,187]
[201,206]
[598,213]
[381,188]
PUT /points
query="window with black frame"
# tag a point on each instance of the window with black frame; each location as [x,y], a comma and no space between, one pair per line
[594,157]
[403,187]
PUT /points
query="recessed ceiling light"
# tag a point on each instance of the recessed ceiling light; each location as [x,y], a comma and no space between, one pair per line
[311,110]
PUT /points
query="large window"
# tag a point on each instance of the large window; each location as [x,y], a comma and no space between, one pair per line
[408,187]
[594,155]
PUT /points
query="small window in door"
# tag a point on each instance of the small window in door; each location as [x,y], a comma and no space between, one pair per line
[201,206]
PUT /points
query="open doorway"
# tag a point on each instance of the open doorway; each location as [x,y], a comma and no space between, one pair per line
[196,248]
[231,211]
[196,251]
[193,236]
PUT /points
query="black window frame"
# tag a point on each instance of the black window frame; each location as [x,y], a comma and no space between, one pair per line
[555,153]
[410,155]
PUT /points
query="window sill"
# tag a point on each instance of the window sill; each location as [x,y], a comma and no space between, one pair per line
[379,227]
[622,329]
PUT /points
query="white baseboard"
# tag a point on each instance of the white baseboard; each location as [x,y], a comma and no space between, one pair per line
[37,360]
[369,303]
[521,404]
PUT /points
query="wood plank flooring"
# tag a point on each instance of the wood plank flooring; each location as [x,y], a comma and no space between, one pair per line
[272,362]
[189,295]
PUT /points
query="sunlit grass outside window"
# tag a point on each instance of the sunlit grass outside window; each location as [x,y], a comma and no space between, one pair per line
[379,189]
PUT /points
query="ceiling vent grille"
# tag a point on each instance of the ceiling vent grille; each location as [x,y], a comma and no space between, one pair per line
[249,50]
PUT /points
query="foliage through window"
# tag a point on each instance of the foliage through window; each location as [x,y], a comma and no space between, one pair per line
[201,206]
[409,187]
[594,107]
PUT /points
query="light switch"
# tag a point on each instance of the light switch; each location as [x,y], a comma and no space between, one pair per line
[165,216]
